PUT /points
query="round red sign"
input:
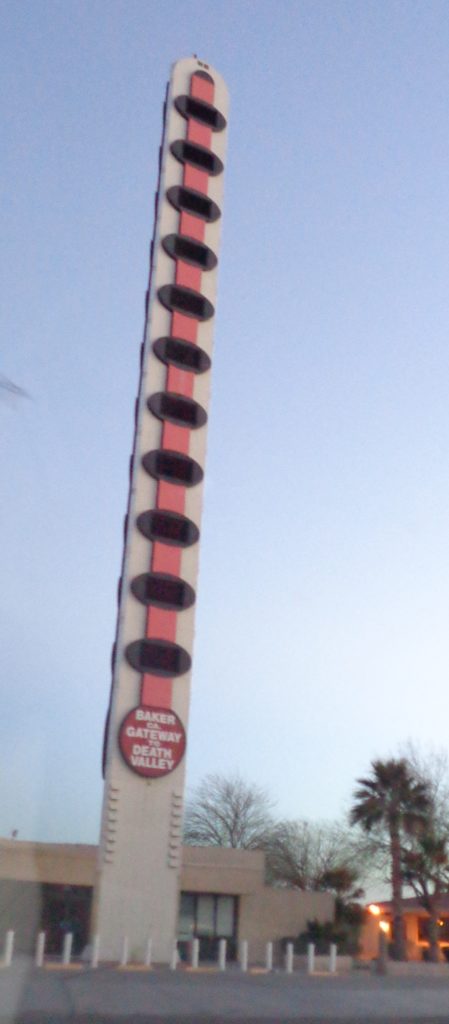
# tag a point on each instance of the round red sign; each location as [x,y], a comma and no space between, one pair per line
[152,741]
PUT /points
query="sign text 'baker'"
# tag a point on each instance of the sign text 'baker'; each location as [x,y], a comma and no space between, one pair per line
[152,741]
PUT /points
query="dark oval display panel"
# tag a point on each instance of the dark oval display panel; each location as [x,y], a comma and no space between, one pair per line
[181,247]
[185,300]
[173,467]
[201,111]
[183,354]
[168,527]
[163,590]
[185,412]
[190,153]
[193,202]
[160,657]
[203,74]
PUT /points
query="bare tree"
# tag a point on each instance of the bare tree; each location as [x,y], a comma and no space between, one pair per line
[226,811]
[314,856]
[430,766]
[425,857]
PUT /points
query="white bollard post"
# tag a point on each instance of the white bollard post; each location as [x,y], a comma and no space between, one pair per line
[222,954]
[289,958]
[148,953]
[195,954]
[67,948]
[269,956]
[310,958]
[174,958]
[95,955]
[9,948]
[333,958]
[125,951]
[40,949]
[244,955]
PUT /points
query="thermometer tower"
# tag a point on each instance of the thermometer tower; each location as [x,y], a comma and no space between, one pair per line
[137,887]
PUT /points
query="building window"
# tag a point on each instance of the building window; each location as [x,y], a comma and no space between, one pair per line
[206,915]
[225,916]
[186,919]
[65,908]
[442,933]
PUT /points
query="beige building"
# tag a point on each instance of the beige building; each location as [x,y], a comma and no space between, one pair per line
[416,924]
[48,886]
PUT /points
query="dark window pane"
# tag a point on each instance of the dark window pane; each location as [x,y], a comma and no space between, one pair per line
[224,918]
[168,527]
[188,249]
[186,920]
[173,467]
[200,111]
[185,412]
[185,300]
[182,353]
[160,657]
[194,202]
[163,590]
[198,156]
[442,929]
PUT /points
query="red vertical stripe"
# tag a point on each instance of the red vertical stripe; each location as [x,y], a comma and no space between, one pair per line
[156,692]
[188,276]
[166,559]
[180,381]
[176,439]
[194,178]
[200,134]
[170,496]
[201,89]
[193,226]
[183,327]
[161,622]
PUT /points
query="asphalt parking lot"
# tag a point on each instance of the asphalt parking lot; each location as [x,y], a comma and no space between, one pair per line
[106,996]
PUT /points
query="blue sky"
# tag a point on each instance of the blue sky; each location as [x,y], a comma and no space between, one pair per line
[323,602]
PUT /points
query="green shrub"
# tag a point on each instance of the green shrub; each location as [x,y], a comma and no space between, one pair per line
[322,935]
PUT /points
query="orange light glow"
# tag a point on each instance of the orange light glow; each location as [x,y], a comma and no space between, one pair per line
[374,909]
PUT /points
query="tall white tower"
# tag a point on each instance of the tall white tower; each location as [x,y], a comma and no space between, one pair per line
[141,832]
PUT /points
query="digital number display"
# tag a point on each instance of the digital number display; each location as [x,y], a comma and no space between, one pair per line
[178,409]
[168,527]
[164,590]
[160,657]
[173,467]
[182,354]
[188,106]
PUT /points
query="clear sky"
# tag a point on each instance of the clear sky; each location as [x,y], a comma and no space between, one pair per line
[322,619]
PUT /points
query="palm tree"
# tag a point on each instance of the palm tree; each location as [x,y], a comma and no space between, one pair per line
[426,869]
[392,800]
